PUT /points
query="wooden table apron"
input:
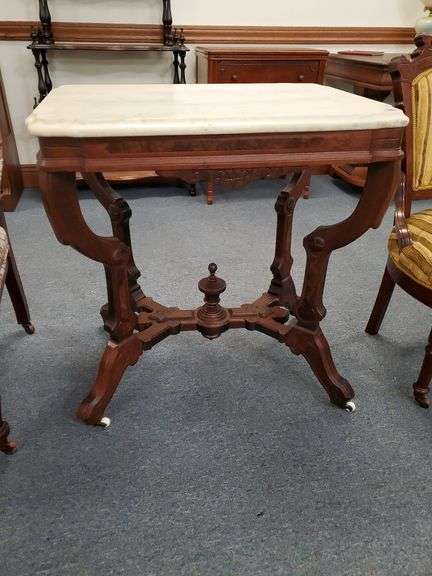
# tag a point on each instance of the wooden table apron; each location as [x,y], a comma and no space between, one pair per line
[136,322]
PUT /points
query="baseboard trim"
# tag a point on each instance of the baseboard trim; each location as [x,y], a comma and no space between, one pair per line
[30,175]
[136,33]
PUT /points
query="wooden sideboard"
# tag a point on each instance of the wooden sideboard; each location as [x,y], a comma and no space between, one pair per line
[369,75]
[229,64]
[253,64]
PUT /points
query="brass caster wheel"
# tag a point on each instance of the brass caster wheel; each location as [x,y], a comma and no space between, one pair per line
[350,406]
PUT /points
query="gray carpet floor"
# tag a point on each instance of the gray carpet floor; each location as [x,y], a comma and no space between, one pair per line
[224,458]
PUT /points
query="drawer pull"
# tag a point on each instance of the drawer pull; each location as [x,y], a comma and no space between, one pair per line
[234,77]
[301,77]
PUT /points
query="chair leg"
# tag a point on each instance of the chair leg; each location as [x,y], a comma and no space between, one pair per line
[383,300]
[6,445]
[306,193]
[17,295]
[15,288]
[210,193]
[421,387]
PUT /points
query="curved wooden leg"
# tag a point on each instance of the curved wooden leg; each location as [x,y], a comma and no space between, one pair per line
[421,387]
[309,309]
[15,288]
[120,214]
[381,304]
[383,180]
[64,212]
[313,346]
[282,284]
[6,445]
[17,295]
[115,360]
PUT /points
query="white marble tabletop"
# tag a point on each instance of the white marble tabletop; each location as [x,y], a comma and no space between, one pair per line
[85,111]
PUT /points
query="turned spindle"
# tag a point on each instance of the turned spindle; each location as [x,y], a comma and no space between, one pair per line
[212,316]
[45,18]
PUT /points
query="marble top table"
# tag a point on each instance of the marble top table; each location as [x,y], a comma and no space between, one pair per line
[232,132]
[168,110]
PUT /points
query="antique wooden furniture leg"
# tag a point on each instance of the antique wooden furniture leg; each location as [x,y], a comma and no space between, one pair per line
[115,360]
[6,445]
[305,336]
[421,387]
[306,193]
[210,193]
[282,284]
[133,333]
[120,214]
[382,302]
[62,206]
[15,288]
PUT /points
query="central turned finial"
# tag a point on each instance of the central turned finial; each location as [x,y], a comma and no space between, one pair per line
[212,286]
[212,316]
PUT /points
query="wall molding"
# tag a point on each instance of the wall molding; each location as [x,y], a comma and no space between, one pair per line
[98,32]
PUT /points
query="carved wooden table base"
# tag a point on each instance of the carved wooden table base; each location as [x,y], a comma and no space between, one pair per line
[136,323]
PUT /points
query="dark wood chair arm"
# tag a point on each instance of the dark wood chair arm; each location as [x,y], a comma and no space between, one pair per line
[400,222]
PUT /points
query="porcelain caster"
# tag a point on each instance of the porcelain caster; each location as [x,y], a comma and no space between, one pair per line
[105,422]
[350,406]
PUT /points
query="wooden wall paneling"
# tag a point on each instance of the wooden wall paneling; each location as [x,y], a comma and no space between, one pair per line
[101,32]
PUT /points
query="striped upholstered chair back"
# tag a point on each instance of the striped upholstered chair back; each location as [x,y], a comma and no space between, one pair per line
[412,79]
[421,98]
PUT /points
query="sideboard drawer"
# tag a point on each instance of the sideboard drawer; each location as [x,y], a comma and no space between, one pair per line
[267,71]
[261,64]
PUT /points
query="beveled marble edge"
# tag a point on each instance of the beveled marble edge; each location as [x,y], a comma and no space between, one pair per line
[83,111]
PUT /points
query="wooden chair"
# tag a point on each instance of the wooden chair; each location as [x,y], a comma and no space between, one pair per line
[410,245]
[9,275]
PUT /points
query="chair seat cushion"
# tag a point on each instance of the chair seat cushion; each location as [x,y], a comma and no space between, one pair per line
[4,248]
[415,260]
